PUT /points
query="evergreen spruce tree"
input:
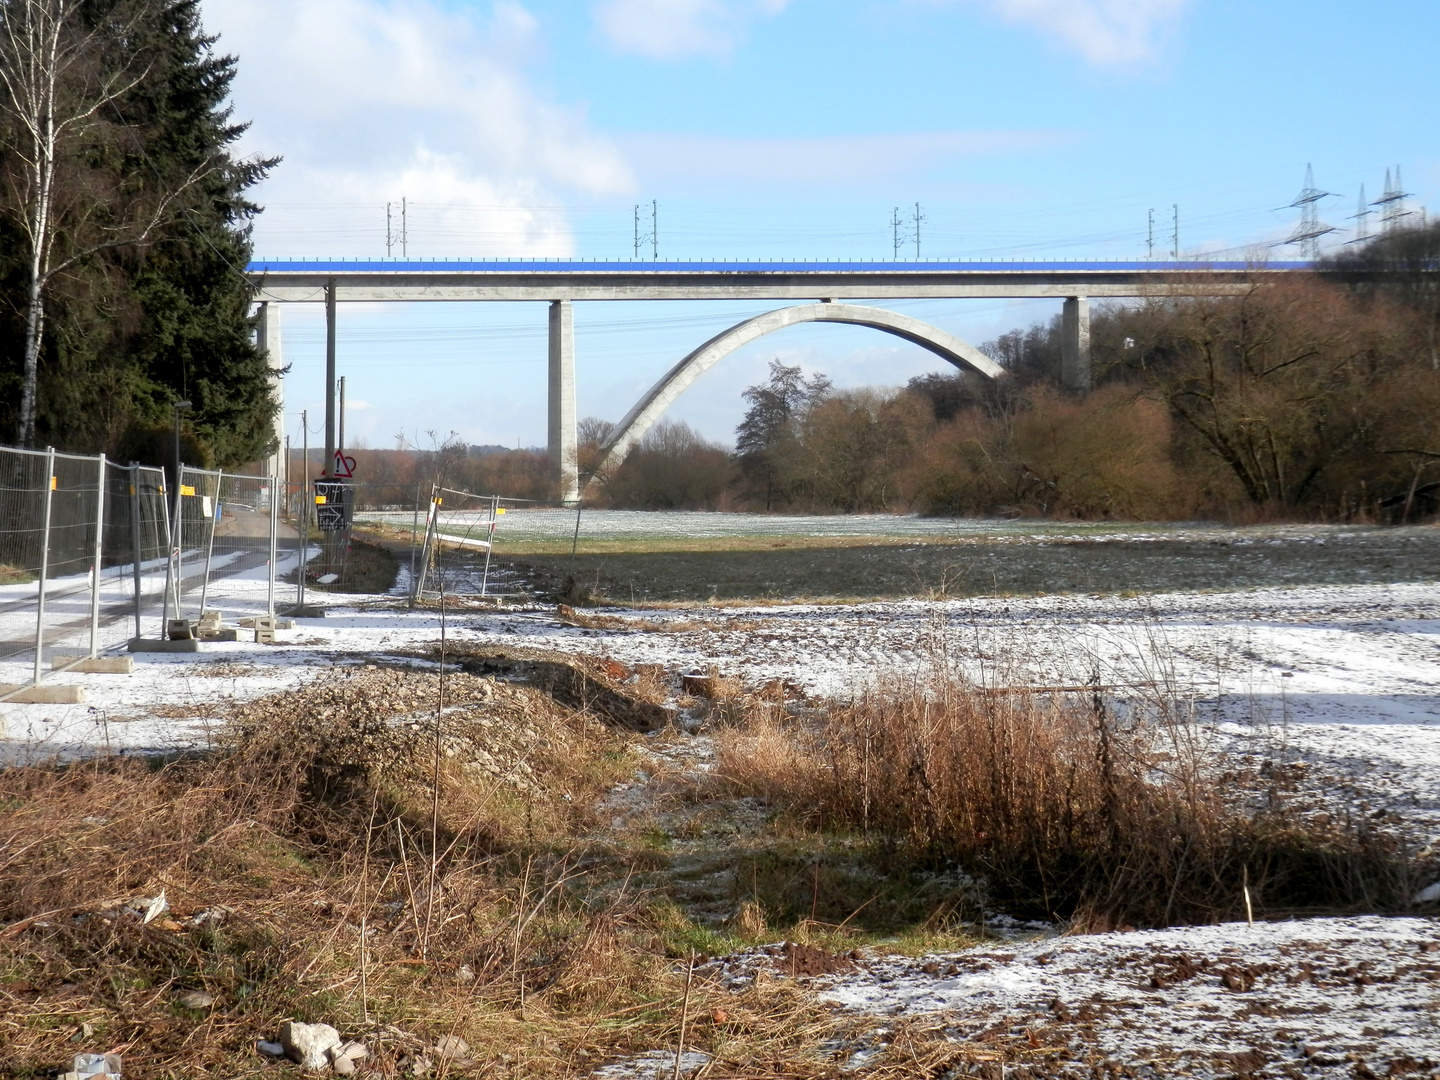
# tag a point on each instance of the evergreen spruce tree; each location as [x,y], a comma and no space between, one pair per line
[144,323]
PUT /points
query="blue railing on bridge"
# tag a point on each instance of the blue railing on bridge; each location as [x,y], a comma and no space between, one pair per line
[785,266]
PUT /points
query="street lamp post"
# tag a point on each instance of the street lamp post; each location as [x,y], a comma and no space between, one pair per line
[180,406]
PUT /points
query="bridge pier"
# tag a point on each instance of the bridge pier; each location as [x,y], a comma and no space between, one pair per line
[267,339]
[563,440]
[1075,373]
[329,381]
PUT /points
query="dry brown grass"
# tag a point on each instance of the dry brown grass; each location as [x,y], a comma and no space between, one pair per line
[352,859]
[1062,808]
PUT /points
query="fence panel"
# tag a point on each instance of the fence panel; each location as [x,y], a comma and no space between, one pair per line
[25,495]
[83,545]
[68,601]
[135,547]
[243,529]
[194,510]
[462,533]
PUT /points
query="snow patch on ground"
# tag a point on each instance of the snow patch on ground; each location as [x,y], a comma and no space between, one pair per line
[1352,997]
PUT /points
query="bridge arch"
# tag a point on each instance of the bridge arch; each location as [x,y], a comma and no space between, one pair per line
[662,395]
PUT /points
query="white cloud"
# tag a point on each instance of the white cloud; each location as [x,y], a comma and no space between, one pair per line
[671,29]
[1105,32]
[372,100]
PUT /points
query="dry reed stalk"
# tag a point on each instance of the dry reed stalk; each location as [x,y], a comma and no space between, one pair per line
[684,1015]
[1064,805]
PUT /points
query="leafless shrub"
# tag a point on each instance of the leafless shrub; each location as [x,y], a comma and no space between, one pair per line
[1064,807]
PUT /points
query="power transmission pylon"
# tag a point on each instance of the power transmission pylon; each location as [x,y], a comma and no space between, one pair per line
[1361,217]
[1392,203]
[895,238]
[919,217]
[1307,234]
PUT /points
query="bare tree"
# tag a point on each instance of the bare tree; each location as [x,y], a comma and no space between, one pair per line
[60,75]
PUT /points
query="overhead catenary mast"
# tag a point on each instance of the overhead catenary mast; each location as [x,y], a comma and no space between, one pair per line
[653,236]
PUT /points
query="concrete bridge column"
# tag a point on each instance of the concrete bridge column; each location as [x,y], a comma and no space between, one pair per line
[268,339]
[329,380]
[562,401]
[1075,371]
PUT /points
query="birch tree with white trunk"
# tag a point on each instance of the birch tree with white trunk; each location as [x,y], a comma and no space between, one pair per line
[61,79]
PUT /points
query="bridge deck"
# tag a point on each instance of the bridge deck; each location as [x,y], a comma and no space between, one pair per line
[288,280]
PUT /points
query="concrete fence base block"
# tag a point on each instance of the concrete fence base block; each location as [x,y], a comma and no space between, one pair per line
[181,645]
[305,611]
[100,665]
[41,695]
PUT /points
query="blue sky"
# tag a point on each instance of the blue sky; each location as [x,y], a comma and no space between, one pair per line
[786,128]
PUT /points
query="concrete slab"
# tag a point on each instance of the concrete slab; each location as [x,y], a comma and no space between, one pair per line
[305,611]
[100,665]
[42,694]
[179,645]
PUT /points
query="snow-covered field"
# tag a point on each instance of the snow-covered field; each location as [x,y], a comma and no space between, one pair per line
[1349,676]
[1345,677]
[1356,997]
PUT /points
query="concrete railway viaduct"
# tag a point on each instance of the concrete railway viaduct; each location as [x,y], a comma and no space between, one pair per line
[810,291]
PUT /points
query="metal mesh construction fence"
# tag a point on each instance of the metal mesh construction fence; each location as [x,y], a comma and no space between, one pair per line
[236,518]
[94,554]
[135,547]
[460,523]
[194,517]
[82,554]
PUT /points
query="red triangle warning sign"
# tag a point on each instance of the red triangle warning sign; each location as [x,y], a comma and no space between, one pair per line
[344,468]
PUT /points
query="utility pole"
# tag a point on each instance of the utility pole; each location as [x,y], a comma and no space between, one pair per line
[1150,237]
[637,231]
[918,219]
[389,231]
[1175,232]
[895,238]
[404,229]
[340,439]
